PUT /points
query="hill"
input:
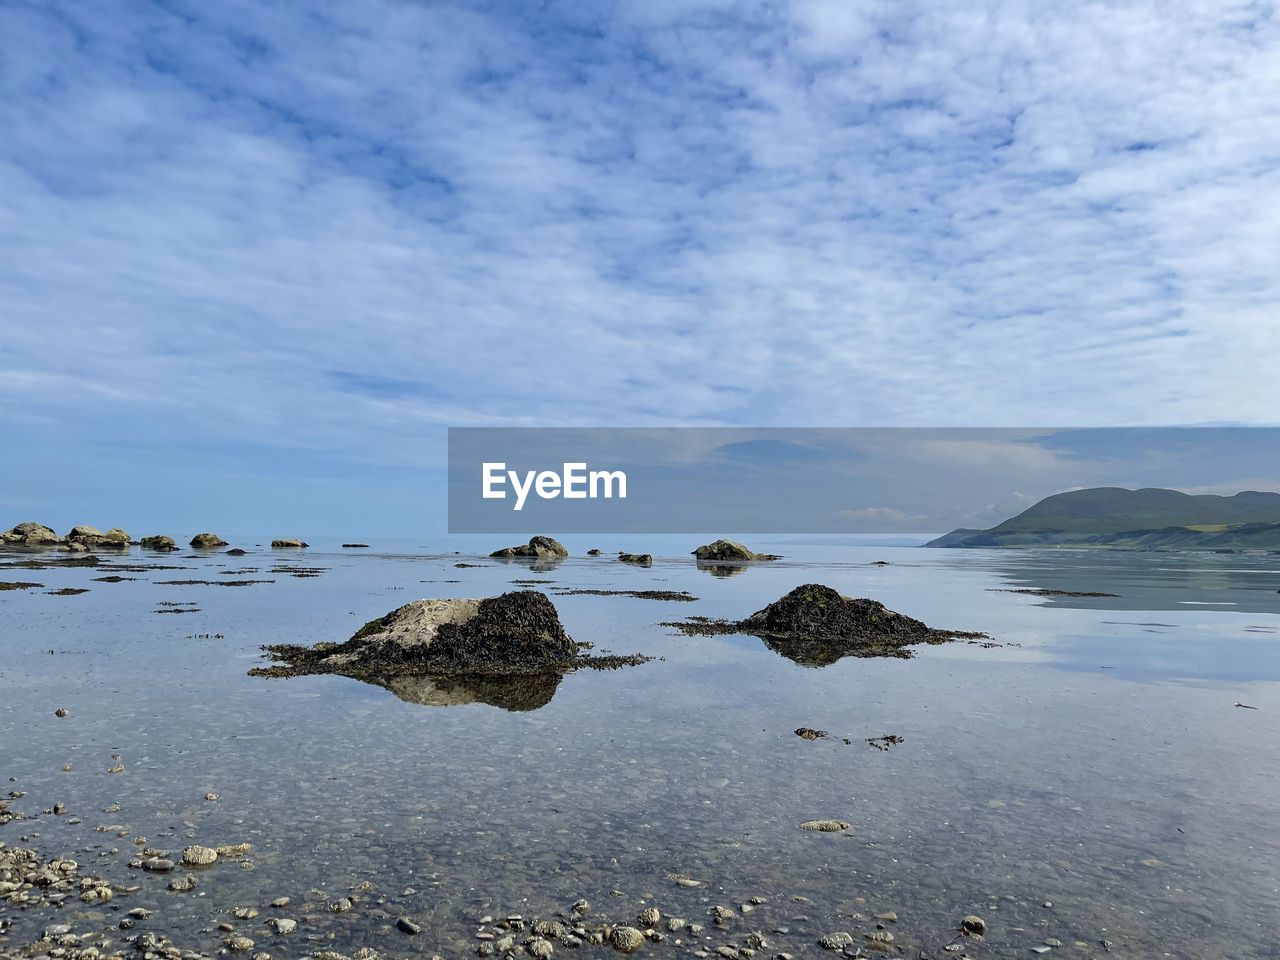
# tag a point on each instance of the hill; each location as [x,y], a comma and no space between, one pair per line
[1150,518]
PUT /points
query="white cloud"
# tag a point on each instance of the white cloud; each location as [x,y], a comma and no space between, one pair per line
[753,213]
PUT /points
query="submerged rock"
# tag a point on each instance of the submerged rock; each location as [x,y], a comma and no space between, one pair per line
[538,547]
[158,542]
[508,650]
[729,550]
[288,542]
[640,559]
[816,625]
[207,540]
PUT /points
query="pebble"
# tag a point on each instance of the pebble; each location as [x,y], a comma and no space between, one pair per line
[280,902]
[211,797]
[627,939]
[973,925]
[198,856]
[540,948]
[887,915]
[649,917]
[239,943]
[688,882]
[182,884]
[157,864]
[61,712]
[408,926]
[834,941]
[283,924]
[721,914]
[246,913]
[340,906]
[1039,949]
[825,826]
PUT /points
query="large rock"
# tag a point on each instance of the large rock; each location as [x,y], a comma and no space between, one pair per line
[288,542]
[32,534]
[159,542]
[450,651]
[515,633]
[540,547]
[207,540]
[722,550]
[115,538]
[816,625]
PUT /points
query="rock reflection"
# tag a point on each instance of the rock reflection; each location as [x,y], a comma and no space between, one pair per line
[724,569]
[518,694]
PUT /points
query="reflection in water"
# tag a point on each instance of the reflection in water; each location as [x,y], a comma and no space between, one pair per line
[723,569]
[510,693]
[1143,581]
[536,564]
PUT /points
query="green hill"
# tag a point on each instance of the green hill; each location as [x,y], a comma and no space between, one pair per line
[1150,518]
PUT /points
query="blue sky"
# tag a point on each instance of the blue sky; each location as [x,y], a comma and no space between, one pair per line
[257,256]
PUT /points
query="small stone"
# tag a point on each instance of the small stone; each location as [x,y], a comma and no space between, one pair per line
[728,952]
[540,948]
[825,826]
[283,925]
[1039,949]
[280,902]
[648,918]
[834,941]
[340,906]
[580,907]
[246,913]
[239,944]
[405,925]
[889,915]
[687,882]
[61,712]
[198,856]
[675,923]
[211,797]
[157,864]
[1048,904]
[973,925]
[182,884]
[1053,942]
[626,939]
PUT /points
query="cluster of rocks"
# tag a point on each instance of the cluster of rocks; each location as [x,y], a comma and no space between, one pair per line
[80,538]
[817,625]
[639,559]
[514,634]
[27,879]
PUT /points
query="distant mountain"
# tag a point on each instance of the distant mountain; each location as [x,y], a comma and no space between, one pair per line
[1150,518]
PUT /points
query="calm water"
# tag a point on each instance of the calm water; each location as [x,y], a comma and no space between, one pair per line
[1095,762]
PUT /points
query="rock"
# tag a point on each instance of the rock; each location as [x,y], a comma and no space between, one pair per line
[825,826]
[722,550]
[405,925]
[211,797]
[31,533]
[207,540]
[540,948]
[280,902]
[353,546]
[285,543]
[342,905]
[721,914]
[648,918]
[88,536]
[515,633]
[198,856]
[541,547]
[973,925]
[640,559]
[236,552]
[239,944]
[158,542]
[182,884]
[835,941]
[228,850]
[816,625]
[626,939]
[60,712]
[157,864]
[808,733]
[593,552]
[283,925]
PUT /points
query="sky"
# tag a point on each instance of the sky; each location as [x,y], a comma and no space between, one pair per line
[256,257]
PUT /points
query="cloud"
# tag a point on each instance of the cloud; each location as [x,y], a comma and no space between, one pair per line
[341,229]
[877,514]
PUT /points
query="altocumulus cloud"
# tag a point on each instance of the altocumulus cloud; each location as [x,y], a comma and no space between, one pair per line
[338,227]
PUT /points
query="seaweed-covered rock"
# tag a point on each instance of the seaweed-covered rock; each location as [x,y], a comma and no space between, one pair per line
[539,547]
[207,540]
[442,652]
[722,550]
[816,625]
[640,559]
[288,542]
[158,542]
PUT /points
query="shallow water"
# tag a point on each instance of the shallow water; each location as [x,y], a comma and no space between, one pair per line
[1095,761]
